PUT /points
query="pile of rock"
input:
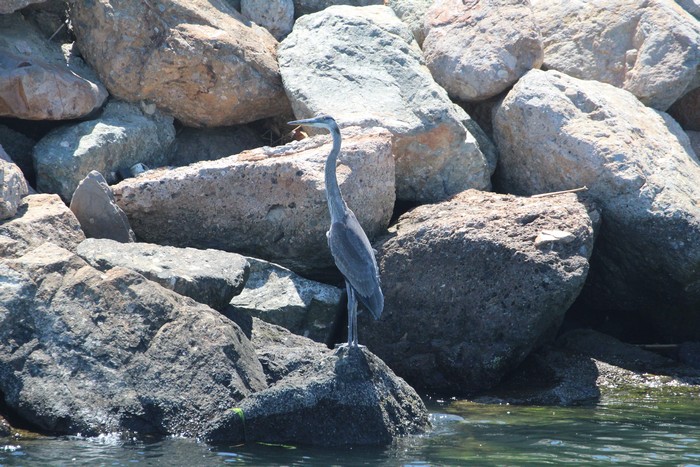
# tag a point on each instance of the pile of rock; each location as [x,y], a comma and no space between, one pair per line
[165,335]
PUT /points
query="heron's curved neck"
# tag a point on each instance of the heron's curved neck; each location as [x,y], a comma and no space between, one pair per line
[336,204]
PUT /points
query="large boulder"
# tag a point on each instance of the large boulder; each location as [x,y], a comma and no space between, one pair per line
[99,216]
[198,60]
[346,397]
[476,50]
[211,277]
[473,284]
[279,296]
[650,48]
[9,6]
[40,80]
[121,137]
[555,132]
[268,203]
[39,219]
[377,78]
[13,186]
[82,351]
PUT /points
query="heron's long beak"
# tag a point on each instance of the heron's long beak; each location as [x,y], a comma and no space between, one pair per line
[306,121]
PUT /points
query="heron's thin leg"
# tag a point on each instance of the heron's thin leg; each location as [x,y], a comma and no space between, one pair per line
[352,315]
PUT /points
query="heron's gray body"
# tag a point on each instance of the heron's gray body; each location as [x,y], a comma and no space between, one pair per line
[348,243]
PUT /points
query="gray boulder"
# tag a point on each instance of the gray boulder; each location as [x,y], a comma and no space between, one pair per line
[197,60]
[206,144]
[279,296]
[39,219]
[691,6]
[277,16]
[268,203]
[476,50]
[99,216]
[346,397]
[377,77]
[122,136]
[40,80]
[649,48]
[209,276]
[555,132]
[9,6]
[13,186]
[473,284]
[82,351]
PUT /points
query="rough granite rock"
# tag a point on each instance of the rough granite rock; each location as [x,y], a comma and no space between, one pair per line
[121,137]
[476,50]
[39,219]
[82,351]
[648,47]
[268,203]
[39,80]
[555,132]
[277,16]
[362,66]
[279,296]
[473,284]
[13,186]
[346,397]
[197,60]
[99,216]
[211,277]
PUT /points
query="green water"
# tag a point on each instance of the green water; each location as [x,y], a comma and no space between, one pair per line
[628,429]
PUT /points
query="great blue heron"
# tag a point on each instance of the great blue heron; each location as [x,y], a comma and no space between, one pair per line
[349,244]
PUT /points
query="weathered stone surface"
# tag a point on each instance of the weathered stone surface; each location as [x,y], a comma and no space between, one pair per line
[555,132]
[279,296]
[347,397]
[38,80]
[195,59]
[277,16]
[9,6]
[650,48]
[305,7]
[585,366]
[476,50]
[13,186]
[686,110]
[99,216]
[389,87]
[122,136]
[268,203]
[211,277]
[206,144]
[468,292]
[39,219]
[87,352]
[694,137]
[412,12]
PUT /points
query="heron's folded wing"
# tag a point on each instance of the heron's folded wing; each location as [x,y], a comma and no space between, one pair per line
[354,256]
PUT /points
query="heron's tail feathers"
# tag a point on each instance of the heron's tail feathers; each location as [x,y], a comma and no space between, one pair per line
[374,303]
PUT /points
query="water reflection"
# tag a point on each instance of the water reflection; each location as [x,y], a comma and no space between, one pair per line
[638,430]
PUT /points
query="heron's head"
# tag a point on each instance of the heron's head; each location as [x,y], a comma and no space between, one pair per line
[319,121]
